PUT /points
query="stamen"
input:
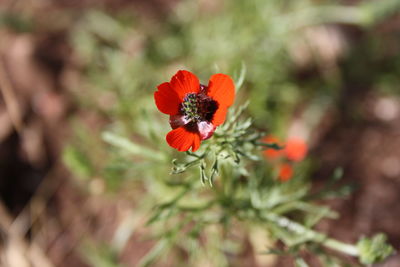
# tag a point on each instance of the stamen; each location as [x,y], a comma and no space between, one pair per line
[198,107]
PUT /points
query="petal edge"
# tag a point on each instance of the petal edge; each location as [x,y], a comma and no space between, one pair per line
[184,82]
[219,116]
[222,89]
[166,99]
[182,140]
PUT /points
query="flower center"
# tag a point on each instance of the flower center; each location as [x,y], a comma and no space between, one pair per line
[198,107]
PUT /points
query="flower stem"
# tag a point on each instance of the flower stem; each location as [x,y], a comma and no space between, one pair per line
[312,235]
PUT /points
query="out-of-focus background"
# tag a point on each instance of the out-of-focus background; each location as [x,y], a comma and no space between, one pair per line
[324,71]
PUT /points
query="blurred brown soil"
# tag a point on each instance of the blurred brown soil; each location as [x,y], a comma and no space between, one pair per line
[364,138]
[54,214]
[45,211]
[368,151]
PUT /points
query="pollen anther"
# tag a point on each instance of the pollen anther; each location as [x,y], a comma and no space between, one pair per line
[198,107]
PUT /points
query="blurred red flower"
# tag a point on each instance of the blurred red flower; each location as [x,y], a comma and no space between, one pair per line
[295,149]
[285,172]
[195,110]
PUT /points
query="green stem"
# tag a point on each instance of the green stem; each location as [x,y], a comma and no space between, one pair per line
[311,234]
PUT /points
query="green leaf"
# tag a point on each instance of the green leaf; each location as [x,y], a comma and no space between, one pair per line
[154,253]
[133,148]
[299,262]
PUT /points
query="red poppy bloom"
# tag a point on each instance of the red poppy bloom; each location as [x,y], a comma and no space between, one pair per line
[296,149]
[195,110]
[285,172]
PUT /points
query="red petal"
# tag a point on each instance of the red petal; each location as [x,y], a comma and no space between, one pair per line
[167,101]
[222,89]
[184,82]
[181,139]
[196,142]
[285,172]
[219,116]
[296,149]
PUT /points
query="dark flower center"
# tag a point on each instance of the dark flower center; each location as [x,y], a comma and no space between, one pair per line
[198,107]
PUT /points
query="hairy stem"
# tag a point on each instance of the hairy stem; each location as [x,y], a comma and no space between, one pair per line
[311,234]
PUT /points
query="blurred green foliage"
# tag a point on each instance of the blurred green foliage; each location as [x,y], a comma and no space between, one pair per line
[124,58]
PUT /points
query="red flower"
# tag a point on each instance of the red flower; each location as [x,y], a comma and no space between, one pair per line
[285,172]
[195,110]
[296,149]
